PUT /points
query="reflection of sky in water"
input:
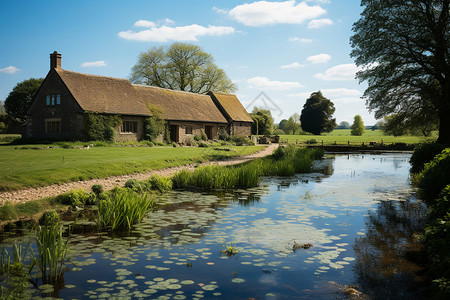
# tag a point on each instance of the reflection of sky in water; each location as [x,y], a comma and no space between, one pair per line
[182,242]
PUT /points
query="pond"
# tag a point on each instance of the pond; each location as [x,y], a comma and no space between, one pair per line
[344,231]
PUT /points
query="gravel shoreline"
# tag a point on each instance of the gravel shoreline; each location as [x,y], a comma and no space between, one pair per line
[21,196]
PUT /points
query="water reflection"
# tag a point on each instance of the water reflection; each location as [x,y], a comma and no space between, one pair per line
[385,256]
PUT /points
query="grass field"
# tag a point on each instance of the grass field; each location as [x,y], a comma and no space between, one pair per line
[343,136]
[22,168]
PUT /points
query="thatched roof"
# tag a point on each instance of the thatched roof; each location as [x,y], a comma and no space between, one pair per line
[103,94]
[118,96]
[231,107]
[182,106]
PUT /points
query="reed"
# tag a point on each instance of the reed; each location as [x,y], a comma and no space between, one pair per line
[286,161]
[52,249]
[122,208]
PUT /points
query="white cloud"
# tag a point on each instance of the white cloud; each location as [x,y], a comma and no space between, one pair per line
[9,70]
[319,58]
[264,83]
[339,73]
[301,40]
[319,1]
[98,63]
[267,13]
[169,21]
[179,33]
[319,23]
[144,23]
[294,65]
[219,10]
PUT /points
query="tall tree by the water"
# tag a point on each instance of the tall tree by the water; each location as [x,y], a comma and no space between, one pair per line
[403,49]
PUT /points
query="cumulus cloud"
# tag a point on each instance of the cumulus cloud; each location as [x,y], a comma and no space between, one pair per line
[263,83]
[320,1]
[339,73]
[294,65]
[319,23]
[261,13]
[180,33]
[9,70]
[337,95]
[144,23]
[301,40]
[341,92]
[319,58]
[98,63]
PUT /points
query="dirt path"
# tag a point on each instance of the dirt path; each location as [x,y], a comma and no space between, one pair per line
[20,196]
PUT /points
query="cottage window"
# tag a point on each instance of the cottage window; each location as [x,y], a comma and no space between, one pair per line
[188,129]
[53,126]
[129,127]
[52,100]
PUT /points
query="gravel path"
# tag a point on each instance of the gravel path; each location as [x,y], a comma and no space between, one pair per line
[21,196]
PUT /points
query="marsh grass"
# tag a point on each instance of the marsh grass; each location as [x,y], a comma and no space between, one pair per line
[52,250]
[286,161]
[122,208]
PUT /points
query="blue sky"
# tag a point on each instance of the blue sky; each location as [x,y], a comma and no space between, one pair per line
[286,49]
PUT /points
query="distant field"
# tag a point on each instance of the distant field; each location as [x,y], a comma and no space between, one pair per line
[343,136]
[22,168]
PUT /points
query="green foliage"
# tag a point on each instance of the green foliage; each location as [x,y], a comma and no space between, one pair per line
[97,189]
[98,127]
[358,126]
[423,154]
[159,183]
[435,175]
[286,161]
[290,127]
[278,132]
[343,125]
[52,249]
[20,98]
[155,125]
[75,198]
[181,66]
[408,83]
[437,243]
[223,135]
[122,209]
[49,218]
[317,113]
[2,127]
[262,121]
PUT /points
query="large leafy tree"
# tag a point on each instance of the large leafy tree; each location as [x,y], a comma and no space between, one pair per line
[262,121]
[21,97]
[358,126]
[182,66]
[403,47]
[317,114]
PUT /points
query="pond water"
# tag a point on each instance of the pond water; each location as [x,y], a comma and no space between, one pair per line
[357,216]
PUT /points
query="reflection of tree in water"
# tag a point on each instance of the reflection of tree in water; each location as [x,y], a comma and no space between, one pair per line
[384,256]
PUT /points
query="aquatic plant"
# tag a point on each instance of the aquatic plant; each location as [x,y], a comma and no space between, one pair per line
[73,198]
[286,162]
[230,250]
[122,209]
[52,250]
[159,183]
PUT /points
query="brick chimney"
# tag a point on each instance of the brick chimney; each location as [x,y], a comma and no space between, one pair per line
[55,60]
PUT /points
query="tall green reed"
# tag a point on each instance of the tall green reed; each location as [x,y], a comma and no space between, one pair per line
[52,249]
[122,208]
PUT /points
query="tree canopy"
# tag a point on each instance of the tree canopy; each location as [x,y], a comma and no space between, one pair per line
[182,66]
[317,114]
[343,125]
[262,121]
[21,97]
[403,48]
[358,126]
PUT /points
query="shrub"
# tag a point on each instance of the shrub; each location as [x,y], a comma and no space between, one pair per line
[311,141]
[148,143]
[134,185]
[435,175]
[190,141]
[278,132]
[100,127]
[97,189]
[242,140]
[203,136]
[203,144]
[73,198]
[49,218]
[223,135]
[423,154]
[197,138]
[160,183]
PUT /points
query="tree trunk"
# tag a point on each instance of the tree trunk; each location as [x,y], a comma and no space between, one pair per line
[444,126]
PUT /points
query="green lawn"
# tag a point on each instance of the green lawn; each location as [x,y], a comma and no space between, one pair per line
[343,136]
[22,168]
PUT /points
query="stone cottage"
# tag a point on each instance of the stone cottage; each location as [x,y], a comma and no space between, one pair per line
[65,98]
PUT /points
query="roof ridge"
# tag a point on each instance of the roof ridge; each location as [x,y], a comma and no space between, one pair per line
[93,75]
[161,88]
